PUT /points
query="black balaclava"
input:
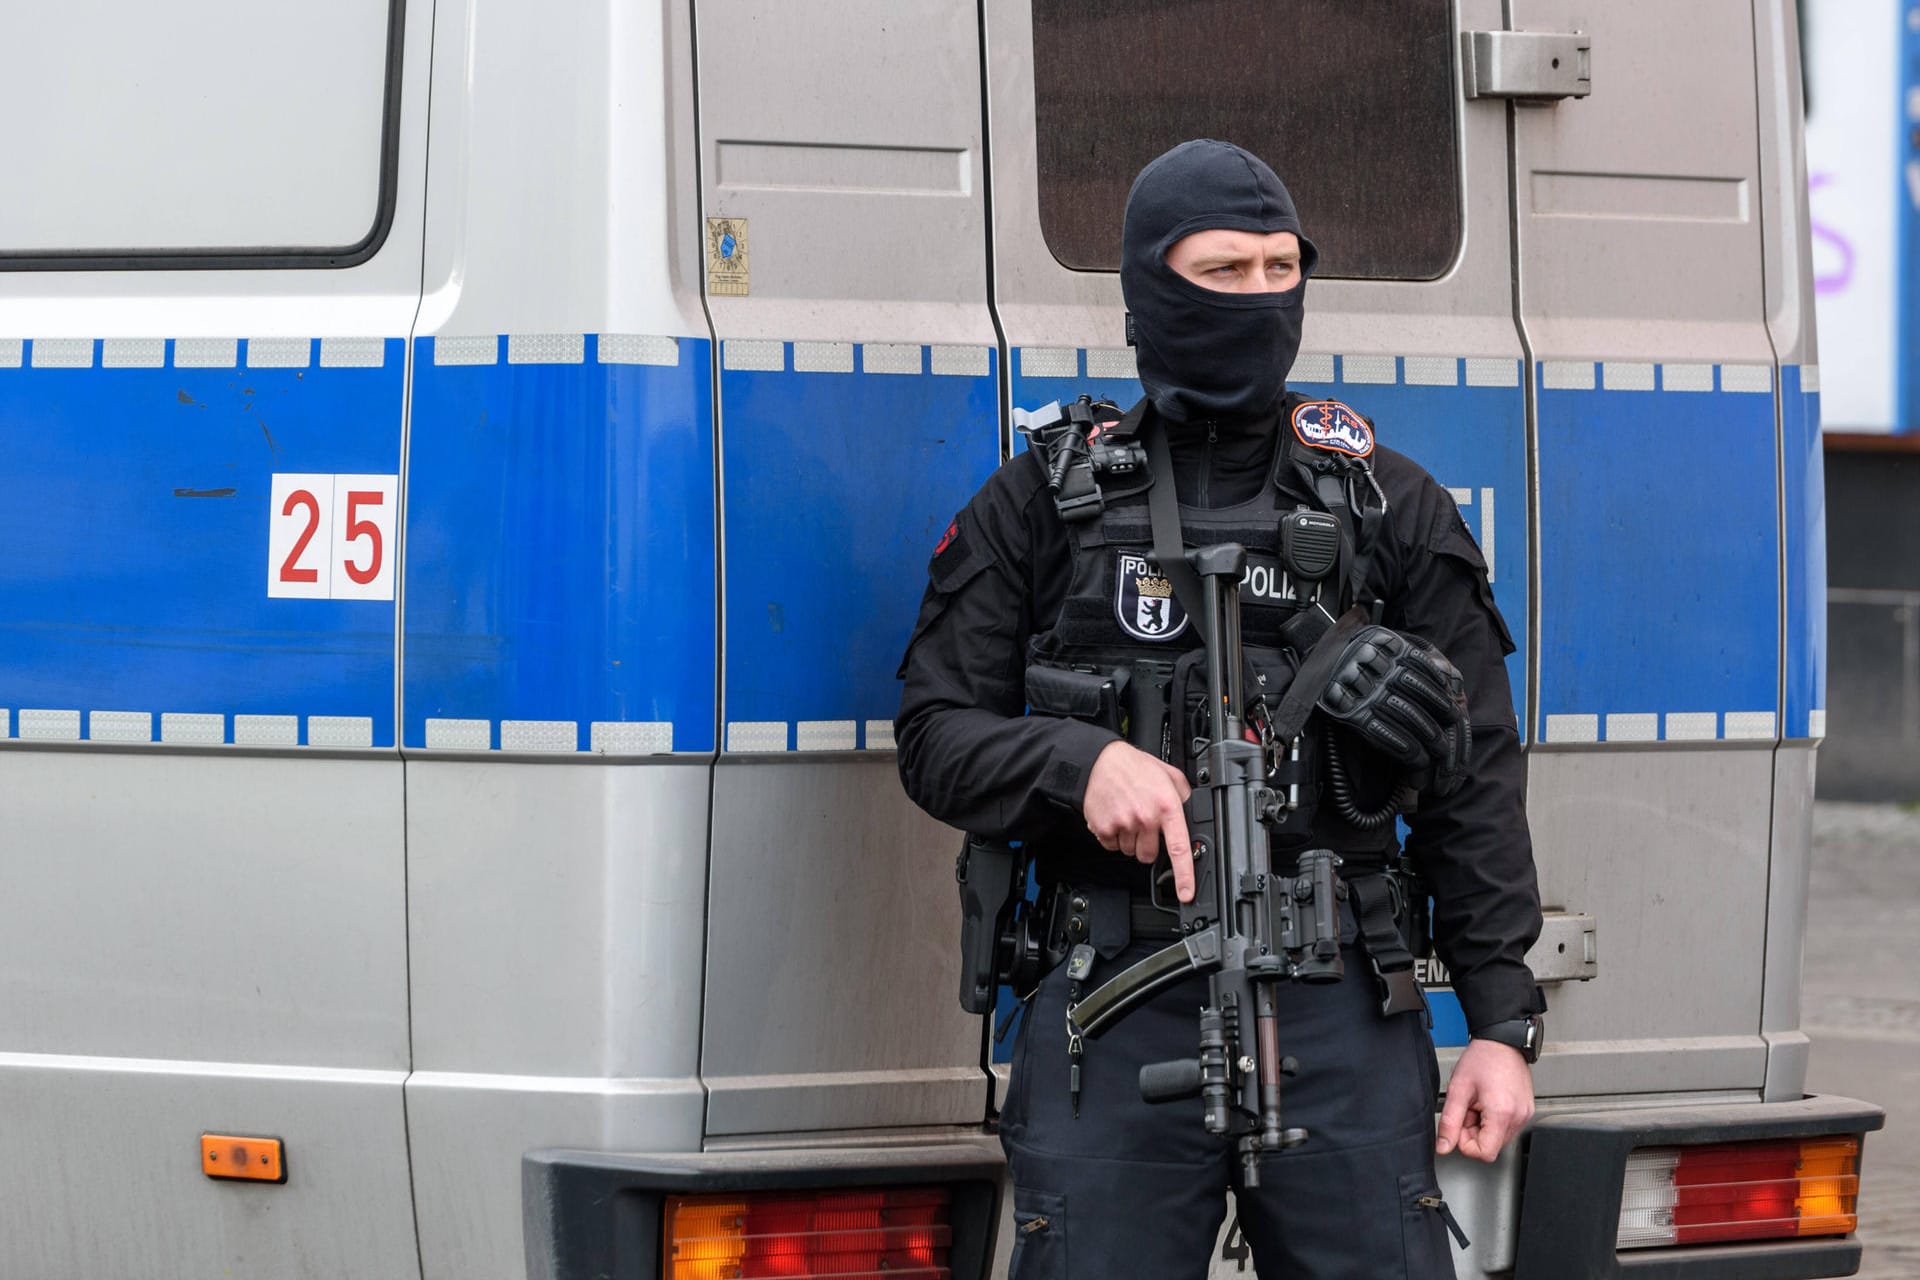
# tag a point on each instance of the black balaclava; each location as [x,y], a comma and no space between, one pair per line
[1204,354]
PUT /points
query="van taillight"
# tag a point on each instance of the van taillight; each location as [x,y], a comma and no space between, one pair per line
[870,1234]
[1739,1191]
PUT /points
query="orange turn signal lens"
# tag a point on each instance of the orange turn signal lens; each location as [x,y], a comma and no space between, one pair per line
[225,1155]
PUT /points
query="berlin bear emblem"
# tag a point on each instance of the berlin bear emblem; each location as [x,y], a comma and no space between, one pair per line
[1143,600]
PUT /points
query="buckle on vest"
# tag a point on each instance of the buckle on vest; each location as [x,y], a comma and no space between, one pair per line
[1401,993]
[1377,905]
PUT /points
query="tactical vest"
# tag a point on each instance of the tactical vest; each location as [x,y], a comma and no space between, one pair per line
[1119,605]
[1124,653]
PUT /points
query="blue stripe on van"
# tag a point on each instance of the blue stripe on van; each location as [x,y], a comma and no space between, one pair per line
[134,511]
[838,485]
[1806,523]
[560,557]
[1659,563]
[1449,1028]
[561,562]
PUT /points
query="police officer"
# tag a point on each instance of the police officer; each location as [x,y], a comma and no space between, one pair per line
[1214,268]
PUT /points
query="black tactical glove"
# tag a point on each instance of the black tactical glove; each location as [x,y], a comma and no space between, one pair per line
[1404,699]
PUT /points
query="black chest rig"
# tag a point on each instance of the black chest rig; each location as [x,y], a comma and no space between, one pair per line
[1123,651]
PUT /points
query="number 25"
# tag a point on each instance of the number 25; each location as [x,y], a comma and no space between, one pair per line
[327,536]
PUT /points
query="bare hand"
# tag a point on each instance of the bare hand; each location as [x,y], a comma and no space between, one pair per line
[1133,801]
[1489,1100]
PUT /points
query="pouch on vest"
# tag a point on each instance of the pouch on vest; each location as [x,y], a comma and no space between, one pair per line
[1265,674]
[1097,697]
[1149,727]
[1292,772]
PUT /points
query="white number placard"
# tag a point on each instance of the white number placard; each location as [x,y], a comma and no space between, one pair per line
[330,537]
[363,536]
[300,537]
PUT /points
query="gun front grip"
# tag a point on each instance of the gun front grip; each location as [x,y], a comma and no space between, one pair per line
[986,870]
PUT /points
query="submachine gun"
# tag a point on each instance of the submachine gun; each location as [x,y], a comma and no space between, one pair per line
[1248,927]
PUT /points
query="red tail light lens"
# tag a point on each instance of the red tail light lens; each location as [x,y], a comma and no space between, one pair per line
[873,1234]
[1739,1191]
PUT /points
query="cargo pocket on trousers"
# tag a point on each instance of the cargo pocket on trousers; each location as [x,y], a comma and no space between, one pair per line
[1039,1236]
[1425,1222]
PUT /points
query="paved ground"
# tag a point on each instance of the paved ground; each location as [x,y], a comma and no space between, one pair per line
[1862,1007]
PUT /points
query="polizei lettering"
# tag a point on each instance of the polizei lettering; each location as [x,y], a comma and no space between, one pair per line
[1266,581]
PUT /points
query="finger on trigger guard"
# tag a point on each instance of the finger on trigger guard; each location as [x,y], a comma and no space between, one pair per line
[1182,863]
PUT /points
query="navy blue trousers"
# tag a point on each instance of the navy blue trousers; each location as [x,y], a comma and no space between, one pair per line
[1128,1189]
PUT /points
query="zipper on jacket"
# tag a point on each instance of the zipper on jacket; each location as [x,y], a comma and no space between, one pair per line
[1206,466]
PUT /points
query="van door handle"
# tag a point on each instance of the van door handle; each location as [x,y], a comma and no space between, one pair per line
[1530,66]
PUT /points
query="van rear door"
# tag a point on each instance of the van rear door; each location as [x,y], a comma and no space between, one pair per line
[1641,296]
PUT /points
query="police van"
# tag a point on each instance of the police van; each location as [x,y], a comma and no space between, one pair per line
[468,470]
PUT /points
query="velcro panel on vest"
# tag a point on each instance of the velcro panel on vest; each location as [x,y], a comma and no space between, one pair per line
[1087,622]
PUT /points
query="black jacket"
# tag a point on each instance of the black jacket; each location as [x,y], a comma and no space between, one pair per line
[970,756]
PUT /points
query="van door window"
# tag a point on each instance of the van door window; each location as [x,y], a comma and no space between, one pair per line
[1351,101]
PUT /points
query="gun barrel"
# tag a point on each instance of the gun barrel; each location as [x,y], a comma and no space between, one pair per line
[1272,1137]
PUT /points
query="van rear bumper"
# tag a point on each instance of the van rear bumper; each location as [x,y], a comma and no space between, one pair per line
[1570,1206]
[594,1214]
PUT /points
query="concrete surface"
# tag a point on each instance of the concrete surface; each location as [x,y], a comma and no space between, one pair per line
[1862,1007]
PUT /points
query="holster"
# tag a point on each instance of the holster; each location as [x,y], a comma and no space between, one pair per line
[988,871]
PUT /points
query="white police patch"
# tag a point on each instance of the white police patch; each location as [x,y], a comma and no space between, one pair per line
[1330,425]
[1265,582]
[1143,601]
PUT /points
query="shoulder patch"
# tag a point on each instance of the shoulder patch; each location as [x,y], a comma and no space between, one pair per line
[1330,425]
[957,559]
